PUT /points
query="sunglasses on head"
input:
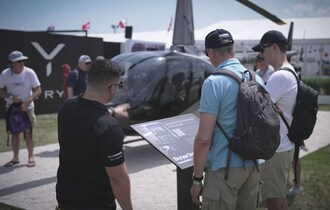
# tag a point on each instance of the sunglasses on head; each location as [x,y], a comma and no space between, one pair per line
[120,85]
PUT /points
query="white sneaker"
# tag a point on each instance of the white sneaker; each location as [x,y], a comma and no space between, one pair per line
[295,191]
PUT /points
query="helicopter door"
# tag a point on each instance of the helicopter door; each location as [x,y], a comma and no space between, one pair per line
[176,85]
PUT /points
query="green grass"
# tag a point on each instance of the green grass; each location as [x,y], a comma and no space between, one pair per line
[324,107]
[315,180]
[314,175]
[44,133]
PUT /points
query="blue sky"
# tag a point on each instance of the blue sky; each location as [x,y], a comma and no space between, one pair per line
[143,15]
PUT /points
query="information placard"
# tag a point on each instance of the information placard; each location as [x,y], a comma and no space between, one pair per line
[173,137]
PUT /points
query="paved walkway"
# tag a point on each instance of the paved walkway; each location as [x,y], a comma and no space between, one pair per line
[153,177]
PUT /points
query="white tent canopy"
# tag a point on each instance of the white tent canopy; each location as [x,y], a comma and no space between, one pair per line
[304,28]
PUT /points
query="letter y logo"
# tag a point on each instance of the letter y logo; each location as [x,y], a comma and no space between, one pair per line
[48,57]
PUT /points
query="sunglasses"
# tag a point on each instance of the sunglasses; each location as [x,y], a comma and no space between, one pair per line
[88,63]
[206,52]
[21,61]
[263,47]
[120,85]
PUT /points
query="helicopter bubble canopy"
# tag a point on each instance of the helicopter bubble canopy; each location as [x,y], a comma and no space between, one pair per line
[159,83]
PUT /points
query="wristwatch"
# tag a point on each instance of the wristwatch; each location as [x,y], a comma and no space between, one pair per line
[112,111]
[197,180]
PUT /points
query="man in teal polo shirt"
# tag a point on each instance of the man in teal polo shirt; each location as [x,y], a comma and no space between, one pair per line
[218,103]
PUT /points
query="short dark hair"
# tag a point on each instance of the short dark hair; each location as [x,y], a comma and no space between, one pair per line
[103,71]
[283,47]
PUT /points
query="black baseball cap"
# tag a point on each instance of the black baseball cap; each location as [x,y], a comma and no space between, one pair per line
[218,38]
[271,37]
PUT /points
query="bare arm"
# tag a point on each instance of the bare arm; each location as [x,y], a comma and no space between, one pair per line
[120,183]
[70,92]
[201,148]
[35,94]
[120,111]
[4,94]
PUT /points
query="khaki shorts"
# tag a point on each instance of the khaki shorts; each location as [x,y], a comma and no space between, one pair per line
[274,175]
[32,117]
[239,192]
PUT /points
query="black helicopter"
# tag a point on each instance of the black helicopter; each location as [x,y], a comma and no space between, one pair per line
[161,84]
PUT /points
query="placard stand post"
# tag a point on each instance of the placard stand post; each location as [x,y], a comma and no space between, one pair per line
[173,137]
[184,183]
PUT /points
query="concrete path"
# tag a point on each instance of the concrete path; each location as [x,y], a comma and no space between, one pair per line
[153,177]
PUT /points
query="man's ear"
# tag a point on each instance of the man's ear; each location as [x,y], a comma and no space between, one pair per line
[275,46]
[211,51]
[111,90]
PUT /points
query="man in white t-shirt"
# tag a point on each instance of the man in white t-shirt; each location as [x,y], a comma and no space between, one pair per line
[20,85]
[282,88]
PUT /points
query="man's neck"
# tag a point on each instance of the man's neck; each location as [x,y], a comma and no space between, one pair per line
[94,96]
[17,71]
[282,60]
[221,59]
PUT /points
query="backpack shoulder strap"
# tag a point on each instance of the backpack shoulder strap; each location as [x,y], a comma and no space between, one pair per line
[252,74]
[298,82]
[239,80]
[290,70]
[230,74]
[8,113]
[229,151]
[295,75]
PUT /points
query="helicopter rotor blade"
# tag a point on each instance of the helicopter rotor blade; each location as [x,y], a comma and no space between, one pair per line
[262,11]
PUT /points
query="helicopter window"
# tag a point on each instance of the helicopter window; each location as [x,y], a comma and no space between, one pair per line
[176,84]
[140,79]
[119,58]
[144,73]
[129,60]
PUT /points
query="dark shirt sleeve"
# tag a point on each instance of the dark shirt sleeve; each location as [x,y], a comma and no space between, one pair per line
[111,146]
[72,79]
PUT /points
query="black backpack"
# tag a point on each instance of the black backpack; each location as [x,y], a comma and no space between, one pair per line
[257,128]
[304,112]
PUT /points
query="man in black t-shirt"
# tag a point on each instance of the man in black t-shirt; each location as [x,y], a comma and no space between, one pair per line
[92,172]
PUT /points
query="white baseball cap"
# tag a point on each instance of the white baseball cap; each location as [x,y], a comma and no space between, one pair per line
[16,56]
[84,59]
